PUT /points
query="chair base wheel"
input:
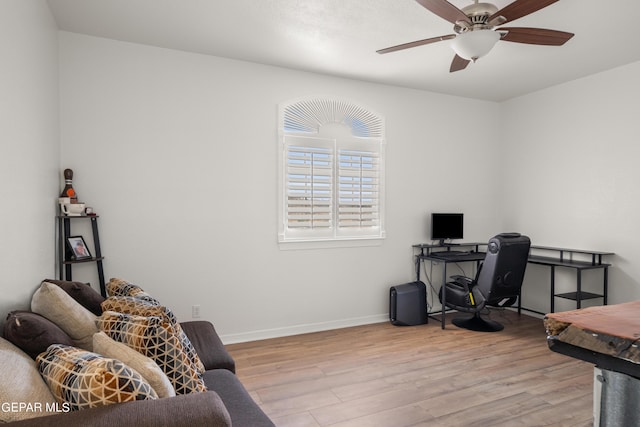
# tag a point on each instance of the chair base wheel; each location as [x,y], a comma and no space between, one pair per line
[478,324]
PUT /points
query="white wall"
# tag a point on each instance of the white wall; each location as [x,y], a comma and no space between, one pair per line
[152,135]
[29,153]
[150,132]
[573,177]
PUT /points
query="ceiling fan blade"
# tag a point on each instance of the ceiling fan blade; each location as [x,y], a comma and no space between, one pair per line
[444,10]
[416,43]
[520,8]
[535,36]
[458,64]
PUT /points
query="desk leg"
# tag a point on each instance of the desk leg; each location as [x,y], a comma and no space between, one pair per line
[444,292]
[553,288]
[579,292]
[418,262]
[605,285]
[520,302]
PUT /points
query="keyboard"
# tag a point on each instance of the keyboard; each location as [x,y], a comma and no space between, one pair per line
[448,254]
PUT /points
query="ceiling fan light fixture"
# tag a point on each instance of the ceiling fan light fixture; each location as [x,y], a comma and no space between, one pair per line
[472,45]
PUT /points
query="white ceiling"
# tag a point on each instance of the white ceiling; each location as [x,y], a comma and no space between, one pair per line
[340,37]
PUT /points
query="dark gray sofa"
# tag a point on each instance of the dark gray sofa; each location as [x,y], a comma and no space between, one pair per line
[26,334]
[226,403]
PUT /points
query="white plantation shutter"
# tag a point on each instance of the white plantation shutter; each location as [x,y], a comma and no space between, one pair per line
[358,187]
[331,181]
[309,187]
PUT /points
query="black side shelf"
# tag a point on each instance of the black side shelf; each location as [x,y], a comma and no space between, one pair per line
[65,262]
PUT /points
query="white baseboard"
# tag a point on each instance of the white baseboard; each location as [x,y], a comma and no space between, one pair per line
[302,329]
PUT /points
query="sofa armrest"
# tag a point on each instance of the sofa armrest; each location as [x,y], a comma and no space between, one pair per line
[208,345]
[185,410]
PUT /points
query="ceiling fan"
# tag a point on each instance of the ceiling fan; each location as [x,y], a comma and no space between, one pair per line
[475,32]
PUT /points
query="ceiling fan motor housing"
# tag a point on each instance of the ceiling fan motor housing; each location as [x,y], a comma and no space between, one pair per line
[478,14]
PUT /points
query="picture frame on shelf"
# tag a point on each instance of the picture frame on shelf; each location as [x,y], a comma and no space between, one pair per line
[78,248]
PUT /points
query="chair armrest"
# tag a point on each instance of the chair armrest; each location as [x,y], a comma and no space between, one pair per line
[208,345]
[186,410]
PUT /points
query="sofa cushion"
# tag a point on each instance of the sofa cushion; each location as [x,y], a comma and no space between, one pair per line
[52,302]
[121,288]
[145,366]
[33,333]
[155,338]
[83,293]
[82,379]
[20,381]
[133,305]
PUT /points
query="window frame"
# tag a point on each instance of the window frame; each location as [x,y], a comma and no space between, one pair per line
[303,125]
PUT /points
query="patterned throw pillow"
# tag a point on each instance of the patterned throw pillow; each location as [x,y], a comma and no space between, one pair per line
[121,288]
[135,306]
[145,366]
[83,379]
[156,338]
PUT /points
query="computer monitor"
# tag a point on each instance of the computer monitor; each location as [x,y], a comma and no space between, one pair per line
[447,226]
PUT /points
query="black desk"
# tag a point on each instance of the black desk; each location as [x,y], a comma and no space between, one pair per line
[563,257]
[545,255]
[427,253]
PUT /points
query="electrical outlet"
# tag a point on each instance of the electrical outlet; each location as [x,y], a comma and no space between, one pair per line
[195,311]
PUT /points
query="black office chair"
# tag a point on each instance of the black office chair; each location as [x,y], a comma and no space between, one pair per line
[497,283]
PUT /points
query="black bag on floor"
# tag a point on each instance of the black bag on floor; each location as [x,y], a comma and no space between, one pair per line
[408,304]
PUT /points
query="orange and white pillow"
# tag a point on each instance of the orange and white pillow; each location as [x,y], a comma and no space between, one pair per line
[156,338]
[82,379]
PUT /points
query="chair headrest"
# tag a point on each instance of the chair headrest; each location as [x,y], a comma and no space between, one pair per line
[509,235]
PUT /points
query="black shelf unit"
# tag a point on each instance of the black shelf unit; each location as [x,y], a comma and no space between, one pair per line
[65,261]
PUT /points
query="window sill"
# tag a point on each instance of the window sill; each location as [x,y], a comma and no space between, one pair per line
[330,243]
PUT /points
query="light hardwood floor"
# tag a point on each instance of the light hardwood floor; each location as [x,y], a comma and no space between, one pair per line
[385,375]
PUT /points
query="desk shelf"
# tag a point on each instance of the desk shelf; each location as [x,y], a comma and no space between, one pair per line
[596,256]
[579,297]
[560,262]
